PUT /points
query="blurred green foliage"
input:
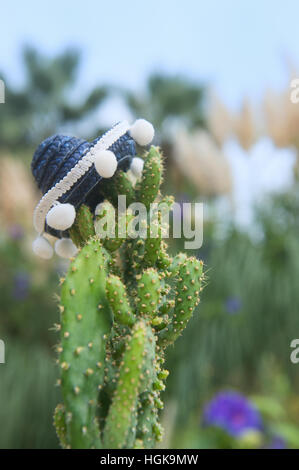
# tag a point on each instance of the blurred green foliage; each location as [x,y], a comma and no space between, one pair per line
[44,103]
[28,397]
[248,316]
[168,98]
[28,312]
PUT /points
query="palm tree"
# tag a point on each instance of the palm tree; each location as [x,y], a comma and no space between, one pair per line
[167,100]
[43,105]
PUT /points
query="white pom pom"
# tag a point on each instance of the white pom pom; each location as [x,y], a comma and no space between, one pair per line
[42,247]
[137,166]
[61,216]
[105,163]
[65,248]
[142,132]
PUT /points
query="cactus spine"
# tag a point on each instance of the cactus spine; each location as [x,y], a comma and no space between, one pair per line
[123,301]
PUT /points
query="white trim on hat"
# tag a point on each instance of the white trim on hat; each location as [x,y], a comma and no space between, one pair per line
[83,165]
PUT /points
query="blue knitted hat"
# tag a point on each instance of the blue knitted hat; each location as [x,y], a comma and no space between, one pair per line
[69,171]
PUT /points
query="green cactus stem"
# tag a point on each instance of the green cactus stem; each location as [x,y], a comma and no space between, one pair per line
[60,425]
[83,228]
[118,299]
[148,292]
[148,189]
[186,299]
[123,409]
[119,184]
[123,301]
[85,320]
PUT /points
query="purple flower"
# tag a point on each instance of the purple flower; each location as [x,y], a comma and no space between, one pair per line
[233,305]
[21,285]
[277,442]
[232,412]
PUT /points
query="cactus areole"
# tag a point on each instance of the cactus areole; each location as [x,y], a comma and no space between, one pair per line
[123,300]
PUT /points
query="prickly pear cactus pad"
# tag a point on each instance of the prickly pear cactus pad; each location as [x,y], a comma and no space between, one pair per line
[123,300]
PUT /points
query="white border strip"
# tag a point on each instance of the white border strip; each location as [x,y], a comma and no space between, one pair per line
[83,165]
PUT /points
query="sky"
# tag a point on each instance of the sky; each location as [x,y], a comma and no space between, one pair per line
[238,47]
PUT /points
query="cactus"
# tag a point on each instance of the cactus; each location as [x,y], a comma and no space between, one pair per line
[123,301]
